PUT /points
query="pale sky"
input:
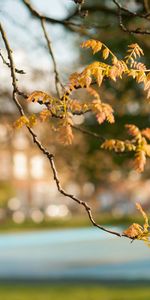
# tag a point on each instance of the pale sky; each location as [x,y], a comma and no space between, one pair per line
[26,37]
[25,32]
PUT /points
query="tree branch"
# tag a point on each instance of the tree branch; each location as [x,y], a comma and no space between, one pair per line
[8,65]
[123,27]
[36,14]
[90,133]
[49,156]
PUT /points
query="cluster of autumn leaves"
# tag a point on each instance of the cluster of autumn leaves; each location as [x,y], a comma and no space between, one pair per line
[136,231]
[138,144]
[64,108]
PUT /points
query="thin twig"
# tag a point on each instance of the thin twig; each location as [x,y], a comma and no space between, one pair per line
[8,65]
[90,133]
[123,27]
[129,12]
[91,26]
[49,45]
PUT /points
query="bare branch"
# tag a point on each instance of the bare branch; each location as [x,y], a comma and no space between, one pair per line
[123,27]
[70,25]
[8,65]
[49,45]
[129,12]
[66,22]
[90,133]
[36,14]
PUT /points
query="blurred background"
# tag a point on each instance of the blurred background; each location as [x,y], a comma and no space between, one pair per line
[31,209]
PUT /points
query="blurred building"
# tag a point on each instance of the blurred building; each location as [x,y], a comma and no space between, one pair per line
[30,190]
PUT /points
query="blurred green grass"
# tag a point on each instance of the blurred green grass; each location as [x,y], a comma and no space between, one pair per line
[73,292]
[73,222]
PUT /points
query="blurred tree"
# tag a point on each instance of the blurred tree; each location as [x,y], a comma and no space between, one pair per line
[7,192]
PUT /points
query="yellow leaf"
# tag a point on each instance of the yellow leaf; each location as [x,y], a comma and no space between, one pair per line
[109,144]
[23,120]
[114,60]
[140,160]
[133,130]
[113,73]
[32,120]
[146,133]
[133,231]
[95,45]
[39,96]
[105,53]
[99,76]
[19,123]
[146,148]
[44,114]
[136,231]
[65,135]
[146,224]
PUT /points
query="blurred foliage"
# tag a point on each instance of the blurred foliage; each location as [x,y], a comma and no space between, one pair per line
[73,222]
[74,291]
[6,192]
[126,97]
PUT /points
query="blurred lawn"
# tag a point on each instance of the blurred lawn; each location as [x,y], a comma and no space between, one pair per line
[73,222]
[73,292]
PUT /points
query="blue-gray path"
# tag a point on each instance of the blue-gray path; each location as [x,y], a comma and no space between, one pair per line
[86,254]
